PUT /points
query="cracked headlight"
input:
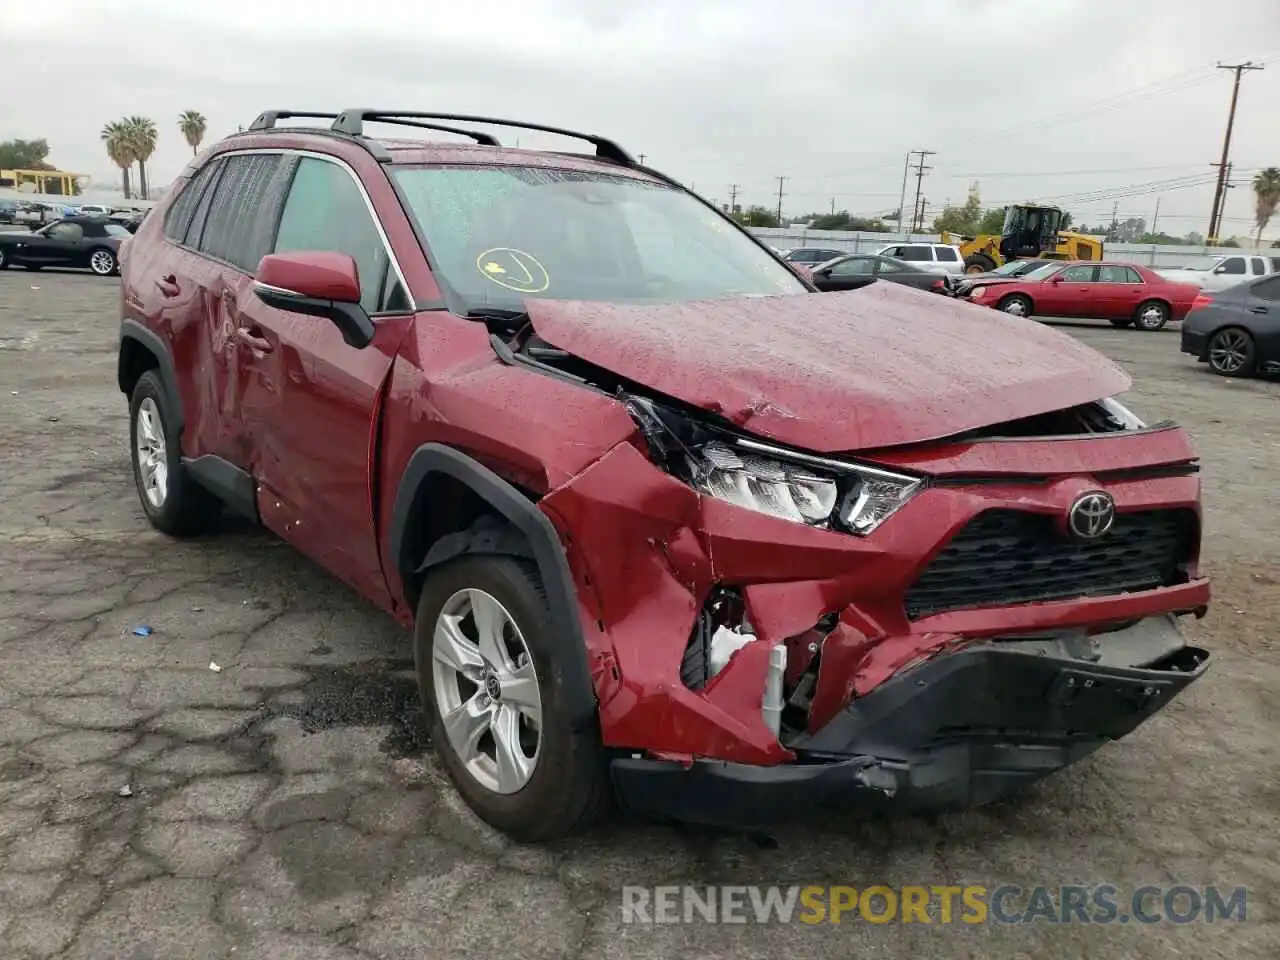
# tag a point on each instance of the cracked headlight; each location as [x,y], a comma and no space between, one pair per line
[766,485]
[787,484]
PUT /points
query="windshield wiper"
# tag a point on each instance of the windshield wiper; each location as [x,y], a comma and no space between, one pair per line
[495,313]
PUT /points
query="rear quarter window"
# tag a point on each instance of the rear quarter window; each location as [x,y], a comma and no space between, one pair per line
[947,254]
[177,221]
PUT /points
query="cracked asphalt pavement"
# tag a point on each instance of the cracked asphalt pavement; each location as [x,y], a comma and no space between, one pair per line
[290,806]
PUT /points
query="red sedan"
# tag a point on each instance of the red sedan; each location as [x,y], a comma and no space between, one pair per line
[1124,293]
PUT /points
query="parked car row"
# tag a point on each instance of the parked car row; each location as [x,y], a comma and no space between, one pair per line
[86,242]
[36,213]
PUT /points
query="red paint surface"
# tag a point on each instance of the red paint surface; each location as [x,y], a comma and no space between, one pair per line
[327,431]
[312,273]
[876,367]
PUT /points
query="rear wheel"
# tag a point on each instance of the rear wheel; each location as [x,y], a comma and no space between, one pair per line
[489,683]
[1232,353]
[102,262]
[1152,315]
[173,502]
[1015,305]
[978,263]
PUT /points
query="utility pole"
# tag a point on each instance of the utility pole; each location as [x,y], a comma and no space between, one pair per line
[1155,219]
[920,169]
[902,202]
[781,181]
[642,159]
[733,198]
[1222,207]
[1115,222]
[1219,193]
[833,206]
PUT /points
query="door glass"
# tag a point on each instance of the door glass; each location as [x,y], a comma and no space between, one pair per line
[916,253]
[946,254]
[326,211]
[853,268]
[1116,274]
[1232,265]
[888,266]
[1077,274]
[235,230]
[65,231]
[1268,289]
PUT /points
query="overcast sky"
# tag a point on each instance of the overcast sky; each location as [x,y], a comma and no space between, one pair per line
[1082,101]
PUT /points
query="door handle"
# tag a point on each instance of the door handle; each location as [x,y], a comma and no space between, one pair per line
[169,286]
[1257,309]
[252,337]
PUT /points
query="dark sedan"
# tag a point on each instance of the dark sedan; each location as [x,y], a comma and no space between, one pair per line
[860,269]
[89,242]
[1237,330]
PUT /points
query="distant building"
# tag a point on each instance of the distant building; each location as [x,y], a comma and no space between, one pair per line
[56,182]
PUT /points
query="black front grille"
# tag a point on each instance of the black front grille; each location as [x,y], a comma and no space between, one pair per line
[1005,557]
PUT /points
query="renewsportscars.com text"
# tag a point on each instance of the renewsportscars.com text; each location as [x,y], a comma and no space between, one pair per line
[973,904]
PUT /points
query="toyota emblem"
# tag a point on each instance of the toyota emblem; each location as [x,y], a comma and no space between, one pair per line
[1091,516]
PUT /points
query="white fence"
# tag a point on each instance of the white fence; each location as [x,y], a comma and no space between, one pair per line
[1151,255]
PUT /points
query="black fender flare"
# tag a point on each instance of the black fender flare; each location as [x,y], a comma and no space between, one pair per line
[132,330]
[544,544]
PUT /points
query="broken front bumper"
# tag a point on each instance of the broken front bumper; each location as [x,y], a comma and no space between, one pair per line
[961,729]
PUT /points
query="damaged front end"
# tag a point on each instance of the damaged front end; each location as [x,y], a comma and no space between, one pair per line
[773,630]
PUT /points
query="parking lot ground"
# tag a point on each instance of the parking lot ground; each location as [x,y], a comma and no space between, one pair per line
[288,805]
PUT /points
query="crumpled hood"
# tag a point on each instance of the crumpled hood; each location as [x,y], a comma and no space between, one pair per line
[877,367]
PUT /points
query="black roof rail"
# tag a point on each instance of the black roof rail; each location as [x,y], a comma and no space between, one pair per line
[267,119]
[479,136]
[351,122]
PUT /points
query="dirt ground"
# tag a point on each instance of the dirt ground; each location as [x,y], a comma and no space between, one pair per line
[288,805]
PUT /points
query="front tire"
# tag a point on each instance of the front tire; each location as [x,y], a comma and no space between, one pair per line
[1016,305]
[173,502]
[103,262]
[492,694]
[1151,316]
[1232,353]
[978,263]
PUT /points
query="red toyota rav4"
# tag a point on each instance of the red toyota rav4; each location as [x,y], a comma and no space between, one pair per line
[666,525]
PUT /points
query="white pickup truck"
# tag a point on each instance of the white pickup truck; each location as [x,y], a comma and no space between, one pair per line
[1225,271]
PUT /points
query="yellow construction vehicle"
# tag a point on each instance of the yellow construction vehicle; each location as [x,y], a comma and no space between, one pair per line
[1030,230]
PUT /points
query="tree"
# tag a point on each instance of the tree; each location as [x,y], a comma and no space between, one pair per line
[24,155]
[992,222]
[757,216]
[115,137]
[142,135]
[1266,196]
[1194,239]
[843,220]
[1066,221]
[193,126]
[963,220]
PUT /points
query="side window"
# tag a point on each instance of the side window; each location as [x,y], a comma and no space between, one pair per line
[325,210]
[1117,274]
[916,254]
[947,254]
[854,268]
[195,230]
[1077,274]
[178,219]
[1232,265]
[234,230]
[888,266]
[1268,289]
[65,231]
[1259,268]
[892,252]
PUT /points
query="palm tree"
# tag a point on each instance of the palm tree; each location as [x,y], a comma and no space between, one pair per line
[115,137]
[1266,195]
[193,125]
[142,137]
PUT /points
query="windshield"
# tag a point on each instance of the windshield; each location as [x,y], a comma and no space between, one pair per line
[1041,272]
[1011,268]
[500,234]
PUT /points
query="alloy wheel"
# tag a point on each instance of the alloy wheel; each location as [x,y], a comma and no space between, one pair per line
[486,691]
[1016,307]
[1229,351]
[102,263]
[1152,317]
[153,459]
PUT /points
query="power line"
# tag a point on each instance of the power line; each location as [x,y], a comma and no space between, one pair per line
[1219,193]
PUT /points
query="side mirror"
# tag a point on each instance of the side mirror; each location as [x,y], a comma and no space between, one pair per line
[318,283]
[1220,268]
